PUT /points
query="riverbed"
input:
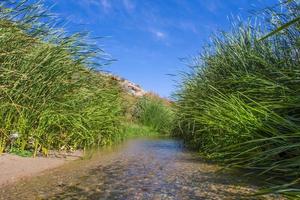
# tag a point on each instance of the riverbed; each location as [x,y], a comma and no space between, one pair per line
[144,168]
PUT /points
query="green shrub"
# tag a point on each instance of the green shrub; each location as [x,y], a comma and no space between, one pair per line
[240,104]
[154,113]
[131,130]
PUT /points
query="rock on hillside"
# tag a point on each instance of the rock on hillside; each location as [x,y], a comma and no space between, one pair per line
[128,86]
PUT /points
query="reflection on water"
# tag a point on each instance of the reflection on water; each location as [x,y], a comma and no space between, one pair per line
[138,169]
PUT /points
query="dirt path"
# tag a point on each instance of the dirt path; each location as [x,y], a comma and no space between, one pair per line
[154,169]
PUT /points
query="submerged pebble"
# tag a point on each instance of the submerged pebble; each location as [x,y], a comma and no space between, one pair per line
[146,169]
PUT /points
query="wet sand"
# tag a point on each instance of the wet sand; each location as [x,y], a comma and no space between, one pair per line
[15,168]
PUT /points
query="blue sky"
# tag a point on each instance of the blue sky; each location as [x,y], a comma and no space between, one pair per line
[148,38]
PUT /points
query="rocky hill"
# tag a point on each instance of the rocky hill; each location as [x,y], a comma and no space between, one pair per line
[128,86]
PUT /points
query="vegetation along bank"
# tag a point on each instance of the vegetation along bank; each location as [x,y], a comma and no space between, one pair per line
[52,92]
[239,105]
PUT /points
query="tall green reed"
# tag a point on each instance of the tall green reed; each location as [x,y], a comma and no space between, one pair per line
[49,93]
[155,114]
[240,103]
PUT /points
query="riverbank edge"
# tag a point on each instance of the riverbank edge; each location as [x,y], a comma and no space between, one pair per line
[14,169]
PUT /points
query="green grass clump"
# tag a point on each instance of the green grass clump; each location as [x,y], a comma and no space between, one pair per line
[240,103]
[22,153]
[155,114]
[49,94]
[132,130]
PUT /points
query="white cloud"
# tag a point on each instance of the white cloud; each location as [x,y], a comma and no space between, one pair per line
[161,37]
[129,5]
[159,34]
[187,26]
[213,6]
[105,4]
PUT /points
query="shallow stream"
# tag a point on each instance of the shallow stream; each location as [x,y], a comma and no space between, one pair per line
[145,168]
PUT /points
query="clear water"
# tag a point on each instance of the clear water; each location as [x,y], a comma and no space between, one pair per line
[147,168]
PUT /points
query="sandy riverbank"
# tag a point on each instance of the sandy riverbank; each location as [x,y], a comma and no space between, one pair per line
[15,168]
